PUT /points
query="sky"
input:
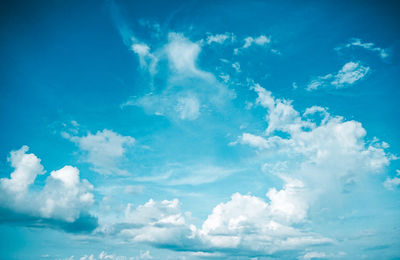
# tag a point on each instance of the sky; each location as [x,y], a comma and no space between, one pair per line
[199,130]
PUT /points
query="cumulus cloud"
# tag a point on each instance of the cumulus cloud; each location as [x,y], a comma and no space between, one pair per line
[244,224]
[249,223]
[64,198]
[356,42]
[332,138]
[349,74]
[103,150]
[327,153]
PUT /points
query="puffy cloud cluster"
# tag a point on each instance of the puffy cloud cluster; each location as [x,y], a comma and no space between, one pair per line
[249,223]
[103,150]
[64,196]
[326,152]
[244,224]
[349,74]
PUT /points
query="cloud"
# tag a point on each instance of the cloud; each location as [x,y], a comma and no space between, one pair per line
[392,183]
[356,42]
[254,141]
[220,38]
[182,55]
[313,255]
[177,174]
[236,66]
[282,116]
[158,223]
[62,201]
[147,59]
[328,154]
[244,225]
[187,88]
[103,150]
[349,74]
[261,40]
[188,108]
[104,255]
[331,138]
[248,223]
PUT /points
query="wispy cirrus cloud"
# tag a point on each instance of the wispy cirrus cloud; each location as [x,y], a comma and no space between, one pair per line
[369,46]
[187,101]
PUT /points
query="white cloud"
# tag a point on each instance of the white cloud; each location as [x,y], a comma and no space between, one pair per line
[103,150]
[392,183]
[196,174]
[27,167]
[159,223]
[333,139]
[313,255]
[87,257]
[146,58]
[145,255]
[104,255]
[349,74]
[254,140]
[182,56]
[220,38]
[187,88]
[249,223]
[260,40]
[356,42]
[236,66]
[188,108]
[325,152]
[64,196]
[245,223]
[281,116]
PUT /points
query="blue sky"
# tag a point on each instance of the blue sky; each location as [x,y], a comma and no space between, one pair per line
[199,130]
